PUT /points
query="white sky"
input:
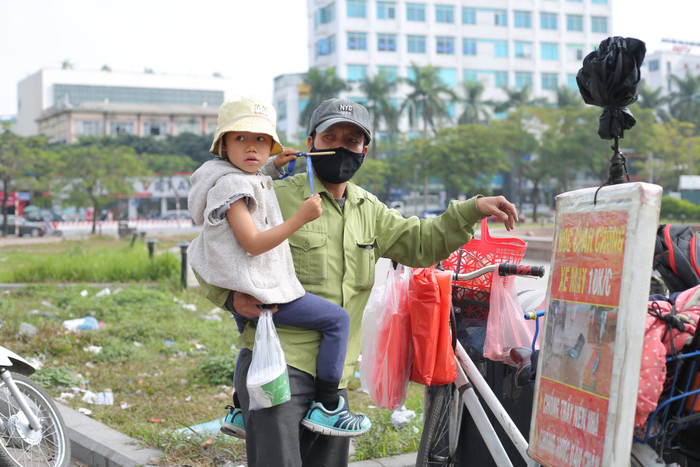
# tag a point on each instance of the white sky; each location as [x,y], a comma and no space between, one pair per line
[248,41]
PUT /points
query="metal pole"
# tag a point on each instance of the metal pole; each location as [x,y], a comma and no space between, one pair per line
[151,242]
[183,260]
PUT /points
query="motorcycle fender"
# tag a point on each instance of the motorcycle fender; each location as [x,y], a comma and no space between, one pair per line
[9,359]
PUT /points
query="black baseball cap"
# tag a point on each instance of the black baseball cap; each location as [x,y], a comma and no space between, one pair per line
[334,111]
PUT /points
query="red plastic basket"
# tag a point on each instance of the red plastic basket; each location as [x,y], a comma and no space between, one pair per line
[472,297]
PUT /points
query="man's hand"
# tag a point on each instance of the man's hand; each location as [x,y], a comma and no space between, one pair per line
[498,206]
[247,305]
[287,155]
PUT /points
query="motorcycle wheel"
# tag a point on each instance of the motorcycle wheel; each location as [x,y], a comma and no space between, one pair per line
[19,444]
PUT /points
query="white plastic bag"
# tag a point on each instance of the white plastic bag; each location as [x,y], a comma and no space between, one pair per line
[268,380]
[387,351]
[506,326]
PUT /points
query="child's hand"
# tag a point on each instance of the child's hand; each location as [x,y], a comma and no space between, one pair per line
[310,209]
[287,154]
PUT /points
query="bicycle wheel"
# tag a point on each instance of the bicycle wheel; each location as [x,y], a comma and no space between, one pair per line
[19,444]
[441,424]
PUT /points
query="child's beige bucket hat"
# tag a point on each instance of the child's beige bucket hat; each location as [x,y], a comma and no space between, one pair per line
[245,114]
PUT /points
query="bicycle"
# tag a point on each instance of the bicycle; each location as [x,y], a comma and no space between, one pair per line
[678,410]
[32,431]
[444,404]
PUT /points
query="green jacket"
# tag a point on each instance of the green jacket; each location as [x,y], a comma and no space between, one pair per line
[334,257]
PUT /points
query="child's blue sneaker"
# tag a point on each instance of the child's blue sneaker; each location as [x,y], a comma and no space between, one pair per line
[339,422]
[233,423]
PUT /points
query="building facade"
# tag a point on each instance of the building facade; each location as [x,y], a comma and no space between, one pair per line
[64,105]
[502,43]
[677,58]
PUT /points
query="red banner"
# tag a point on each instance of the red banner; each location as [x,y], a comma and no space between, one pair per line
[590,252]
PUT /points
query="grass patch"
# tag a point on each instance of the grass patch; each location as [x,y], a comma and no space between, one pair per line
[166,354]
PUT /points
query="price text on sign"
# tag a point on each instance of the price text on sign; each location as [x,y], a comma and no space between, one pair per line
[590,252]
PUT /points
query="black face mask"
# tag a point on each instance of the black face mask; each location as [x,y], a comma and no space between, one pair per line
[339,167]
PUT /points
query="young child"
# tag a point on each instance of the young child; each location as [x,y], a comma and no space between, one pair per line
[243,247]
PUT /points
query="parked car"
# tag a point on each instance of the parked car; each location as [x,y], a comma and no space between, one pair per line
[26,227]
[430,213]
[182,214]
[36,214]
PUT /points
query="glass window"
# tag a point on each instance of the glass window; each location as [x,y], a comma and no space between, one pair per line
[550,81]
[574,23]
[76,94]
[325,46]
[415,12]
[391,72]
[601,2]
[522,79]
[356,73]
[500,18]
[116,128]
[281,109]
[549,51]
[325,15]
[155,128]
[500,79]
[444,14]
[523,49]
[445,45]
[416,44]
[468,15]
[575,1]
[654,65]
[468,46]
[599,24]
[522,19]
[357,41]
[451,108]
[386,10]
[386,42]
[448,76]
[548,21]
[357,8]
[574,52]
[469,76]
[87,128]
[571,81]
[500,48]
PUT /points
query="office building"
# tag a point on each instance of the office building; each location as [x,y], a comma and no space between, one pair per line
[502,43]
[64,105]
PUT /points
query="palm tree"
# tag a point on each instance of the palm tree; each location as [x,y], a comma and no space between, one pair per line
[377,90]
[567,97]
[426,96]
[655,100]
[684,103]
[474,110]
[517,98]
[66,65]
[323,85]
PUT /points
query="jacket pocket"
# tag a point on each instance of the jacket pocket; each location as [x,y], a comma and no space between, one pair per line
[310,254]
[365,258]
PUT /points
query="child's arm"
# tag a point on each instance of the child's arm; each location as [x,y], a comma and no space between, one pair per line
[287,155]
[256,242]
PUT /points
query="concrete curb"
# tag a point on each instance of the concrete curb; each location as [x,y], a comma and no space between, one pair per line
[404,460]
[98,445]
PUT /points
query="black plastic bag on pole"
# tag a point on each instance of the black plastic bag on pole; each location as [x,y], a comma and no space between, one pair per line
[610,78]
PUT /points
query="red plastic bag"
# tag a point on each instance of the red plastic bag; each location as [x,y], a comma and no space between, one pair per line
[506,327]
[386,342]
[429,294]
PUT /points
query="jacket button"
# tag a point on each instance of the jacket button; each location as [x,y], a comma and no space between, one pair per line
[266,220]
[269,185]
[262,185]
[306,244]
